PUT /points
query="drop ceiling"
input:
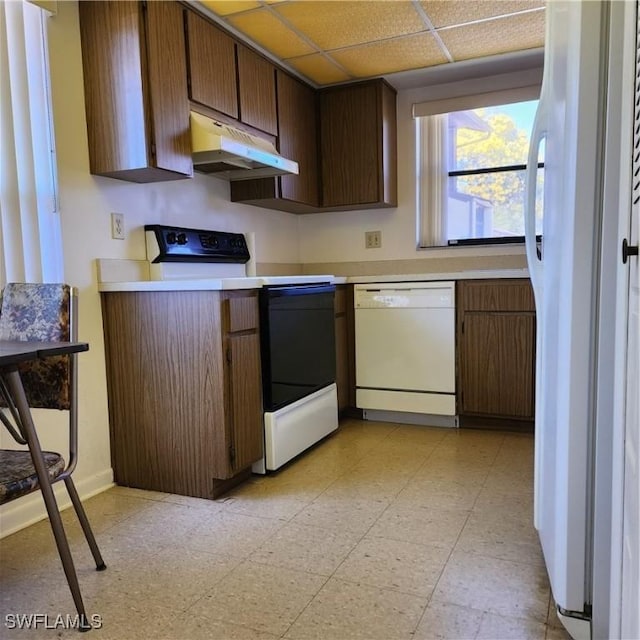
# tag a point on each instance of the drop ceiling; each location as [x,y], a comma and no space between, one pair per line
[333,41]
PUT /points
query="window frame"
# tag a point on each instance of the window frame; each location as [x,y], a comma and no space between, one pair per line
[430,226]
[488,239]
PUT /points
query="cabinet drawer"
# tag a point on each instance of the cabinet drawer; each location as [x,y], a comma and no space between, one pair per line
[495,295]
[240,313]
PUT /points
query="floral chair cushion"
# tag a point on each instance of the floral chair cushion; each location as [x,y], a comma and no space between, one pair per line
[18,476]
[40,313]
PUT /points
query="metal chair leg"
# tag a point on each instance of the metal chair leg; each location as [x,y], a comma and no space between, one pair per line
[17,392]
[84,523]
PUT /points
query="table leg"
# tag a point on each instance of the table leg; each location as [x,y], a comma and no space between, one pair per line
[14,384]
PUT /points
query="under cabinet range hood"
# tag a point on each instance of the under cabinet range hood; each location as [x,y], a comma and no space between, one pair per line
[232,154]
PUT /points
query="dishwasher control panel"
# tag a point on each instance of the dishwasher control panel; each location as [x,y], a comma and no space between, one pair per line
[414,295]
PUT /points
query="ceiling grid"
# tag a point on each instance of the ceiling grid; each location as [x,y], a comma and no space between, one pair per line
[333,41]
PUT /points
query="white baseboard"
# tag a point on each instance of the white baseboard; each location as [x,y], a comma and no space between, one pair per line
[30,509]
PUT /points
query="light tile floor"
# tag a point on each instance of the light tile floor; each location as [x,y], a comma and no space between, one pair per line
[383,531]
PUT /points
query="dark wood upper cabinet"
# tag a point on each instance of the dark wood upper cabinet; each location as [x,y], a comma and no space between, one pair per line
[145,63]
[358,145]
[297,140]
[355,164]
[212,66]
[135,80]
[257,91]
[298,125]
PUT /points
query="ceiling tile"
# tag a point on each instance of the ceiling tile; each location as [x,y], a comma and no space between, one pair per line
[339,24]
[495,36]
[266,30]
[227,7]
[444,13]
[400,54]
[318,69]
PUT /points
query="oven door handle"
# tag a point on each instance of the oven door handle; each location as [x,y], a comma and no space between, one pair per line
[304,290]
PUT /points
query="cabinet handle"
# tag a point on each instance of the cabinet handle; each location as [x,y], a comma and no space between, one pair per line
[229,356]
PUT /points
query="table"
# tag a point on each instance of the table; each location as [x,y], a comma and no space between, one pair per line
[13,351]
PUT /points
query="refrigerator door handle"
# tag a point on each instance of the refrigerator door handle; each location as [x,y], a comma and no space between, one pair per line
[534,254]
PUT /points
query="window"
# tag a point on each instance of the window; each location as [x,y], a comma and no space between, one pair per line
[30,235]
[473,164]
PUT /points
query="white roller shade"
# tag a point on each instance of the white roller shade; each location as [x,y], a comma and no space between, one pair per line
[476,93]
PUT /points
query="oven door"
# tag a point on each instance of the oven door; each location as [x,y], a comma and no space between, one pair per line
[297,326]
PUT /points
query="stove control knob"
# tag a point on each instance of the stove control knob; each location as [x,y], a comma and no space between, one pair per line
[182,238]
[171,237]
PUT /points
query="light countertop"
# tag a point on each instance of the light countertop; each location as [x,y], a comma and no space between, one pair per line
[131,275]
[226,284]
[212,284]
[451,275]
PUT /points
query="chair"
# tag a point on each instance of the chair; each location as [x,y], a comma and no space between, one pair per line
[37,313]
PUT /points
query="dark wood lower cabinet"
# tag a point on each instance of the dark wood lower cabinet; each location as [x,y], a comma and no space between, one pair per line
[184,388]
[342,359]
[498,380]
[496,351]
[345,348]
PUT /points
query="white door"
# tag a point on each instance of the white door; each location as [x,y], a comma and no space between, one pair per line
[630,609]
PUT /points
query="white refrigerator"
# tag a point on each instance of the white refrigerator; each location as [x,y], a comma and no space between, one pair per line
[585,106]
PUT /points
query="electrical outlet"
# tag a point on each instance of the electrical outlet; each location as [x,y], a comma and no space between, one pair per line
[117,226]
[372,239]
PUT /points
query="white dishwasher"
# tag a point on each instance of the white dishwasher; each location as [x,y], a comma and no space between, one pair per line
[405,348]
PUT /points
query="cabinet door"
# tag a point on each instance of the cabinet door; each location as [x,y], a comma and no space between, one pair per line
[297,138]
[113,90]
[135,86]
[167,68]
[357,145]
[212,66]
[245,399]
[496,360]
[257,89]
